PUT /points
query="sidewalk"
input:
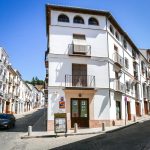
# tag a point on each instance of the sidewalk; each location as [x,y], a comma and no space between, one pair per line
[38,131]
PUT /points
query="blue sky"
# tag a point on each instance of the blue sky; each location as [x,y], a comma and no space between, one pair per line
[22,28]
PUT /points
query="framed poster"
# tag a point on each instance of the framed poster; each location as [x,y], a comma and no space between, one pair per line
[60,123]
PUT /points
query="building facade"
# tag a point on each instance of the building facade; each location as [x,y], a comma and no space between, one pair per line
[93,66]
[16,96]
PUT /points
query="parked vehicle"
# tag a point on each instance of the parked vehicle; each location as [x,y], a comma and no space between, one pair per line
[7,120]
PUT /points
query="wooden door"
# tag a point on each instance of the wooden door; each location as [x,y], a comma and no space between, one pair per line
[80,112]
[79,75]
[146,107]
[137,106]
[129,110]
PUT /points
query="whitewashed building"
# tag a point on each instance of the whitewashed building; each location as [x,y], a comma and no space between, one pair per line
[94,67]
[16,96]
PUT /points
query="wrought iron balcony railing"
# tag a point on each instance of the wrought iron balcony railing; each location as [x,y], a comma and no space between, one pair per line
[79,50]
[80,81]
[118,86]
[118,59]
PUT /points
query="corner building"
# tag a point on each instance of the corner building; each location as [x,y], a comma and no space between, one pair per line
[94,66]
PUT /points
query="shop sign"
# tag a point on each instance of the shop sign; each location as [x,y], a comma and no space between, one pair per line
[61,103]
[60,123]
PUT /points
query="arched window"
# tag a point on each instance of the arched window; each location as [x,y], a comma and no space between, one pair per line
[78,19]
[117,36]
[111,29]
[93,21]
[63,18]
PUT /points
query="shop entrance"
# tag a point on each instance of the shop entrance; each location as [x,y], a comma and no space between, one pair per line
[80,112]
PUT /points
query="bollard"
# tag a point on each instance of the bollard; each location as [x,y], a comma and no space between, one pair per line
[29,130]
[103,126]
[134,119]
[75,127]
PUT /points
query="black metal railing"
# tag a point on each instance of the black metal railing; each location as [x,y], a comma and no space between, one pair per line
[80,81]
[118,86]
[118,59]
[79,49]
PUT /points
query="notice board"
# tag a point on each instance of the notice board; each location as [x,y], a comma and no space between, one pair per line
[60,123]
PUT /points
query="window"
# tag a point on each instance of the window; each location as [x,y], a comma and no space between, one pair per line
[117,36]
[111,29]
[63,18]
[126,63]
[143,67]
[133,53]
[78,19]
[115,48]
[93,21]
[125,44]
[79,44]
[128,86]
[79,36]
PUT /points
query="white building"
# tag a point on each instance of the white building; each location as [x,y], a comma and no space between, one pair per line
[94,67]
[16,96]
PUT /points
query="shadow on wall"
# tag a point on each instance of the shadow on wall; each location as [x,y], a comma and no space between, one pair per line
[105,100]
[62,68]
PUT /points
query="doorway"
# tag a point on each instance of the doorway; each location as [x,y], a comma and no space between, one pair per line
[137,106]
[80,112]
[129,110]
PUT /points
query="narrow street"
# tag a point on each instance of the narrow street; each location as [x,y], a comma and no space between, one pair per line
[136,137]
[10,139]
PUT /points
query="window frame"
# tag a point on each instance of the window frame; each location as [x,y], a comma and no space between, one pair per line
[111,29]
[94,19]
[78,22]
[66,20]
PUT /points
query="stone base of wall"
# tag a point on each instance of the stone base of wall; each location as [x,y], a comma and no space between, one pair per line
[92,124]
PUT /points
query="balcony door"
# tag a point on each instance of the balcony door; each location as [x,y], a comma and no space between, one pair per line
[79,75]
[80,112]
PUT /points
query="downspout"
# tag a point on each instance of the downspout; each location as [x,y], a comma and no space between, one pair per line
[108,55]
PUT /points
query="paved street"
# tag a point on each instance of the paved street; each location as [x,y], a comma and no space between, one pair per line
[136,137]
[10,139]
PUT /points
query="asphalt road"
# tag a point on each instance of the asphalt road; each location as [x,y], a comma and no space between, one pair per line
[10,139]
[136,137]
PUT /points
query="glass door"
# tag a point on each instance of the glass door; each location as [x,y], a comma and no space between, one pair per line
[80,112]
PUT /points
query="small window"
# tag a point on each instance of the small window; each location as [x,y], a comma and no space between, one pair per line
[125,44]
[126,63]
[111,29]
[78,19]
[79,36]
[128,86]
[63,18]
[93,21]
[115,48]
[117,36]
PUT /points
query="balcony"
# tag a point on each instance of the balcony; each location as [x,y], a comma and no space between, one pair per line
[119,87]
[79,50]
[78,81]
[118,60]
[135,74]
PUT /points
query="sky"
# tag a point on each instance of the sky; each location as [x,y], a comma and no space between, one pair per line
[23,29]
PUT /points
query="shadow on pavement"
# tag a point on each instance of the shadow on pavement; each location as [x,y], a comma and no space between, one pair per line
[136,137]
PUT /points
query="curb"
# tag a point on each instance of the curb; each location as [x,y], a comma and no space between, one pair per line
[61,135]
[73,134]
[123,127]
